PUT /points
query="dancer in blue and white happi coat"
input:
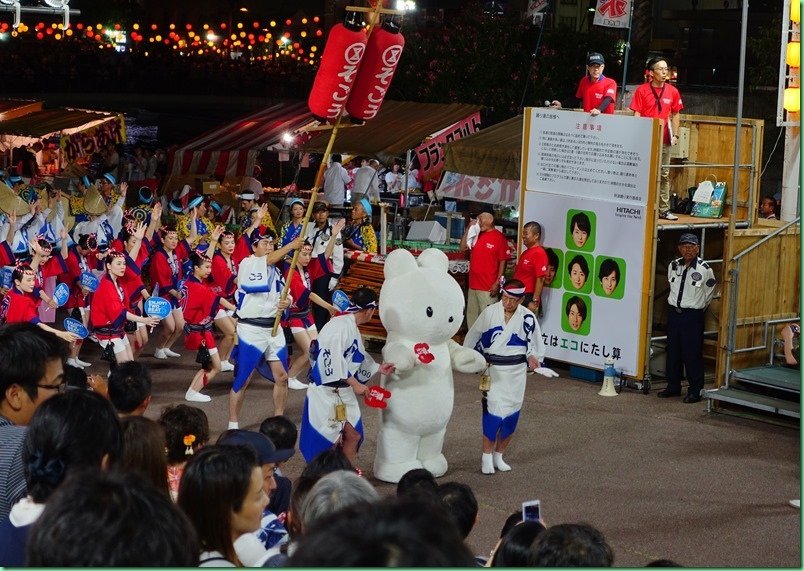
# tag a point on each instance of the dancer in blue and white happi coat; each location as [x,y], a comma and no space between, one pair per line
[259,303]
[340,367]
[509,337]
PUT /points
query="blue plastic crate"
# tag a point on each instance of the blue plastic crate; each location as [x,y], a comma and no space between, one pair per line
[584,374]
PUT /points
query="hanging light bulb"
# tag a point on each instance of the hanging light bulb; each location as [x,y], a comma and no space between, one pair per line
[792,99]
[793,56]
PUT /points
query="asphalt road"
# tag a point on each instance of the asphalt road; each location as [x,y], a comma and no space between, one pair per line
[660,479]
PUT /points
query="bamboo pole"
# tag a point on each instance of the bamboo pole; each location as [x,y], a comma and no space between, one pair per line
[377,10]
[318,179]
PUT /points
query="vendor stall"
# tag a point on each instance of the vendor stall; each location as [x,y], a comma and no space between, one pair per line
[485,167]
[77,132]
[401,126]
[231,150]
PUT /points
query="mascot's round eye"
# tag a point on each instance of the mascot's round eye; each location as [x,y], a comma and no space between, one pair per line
[429,312]
[451,319]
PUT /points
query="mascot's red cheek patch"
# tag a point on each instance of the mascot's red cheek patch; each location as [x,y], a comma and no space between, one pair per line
[423,352]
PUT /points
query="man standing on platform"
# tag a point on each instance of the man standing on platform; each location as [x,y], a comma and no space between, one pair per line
[335,180]
[531,268]
[489,253]
[692,286]
[658,98]
[596,91]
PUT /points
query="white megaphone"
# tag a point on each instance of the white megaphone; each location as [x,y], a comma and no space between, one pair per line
[609,373]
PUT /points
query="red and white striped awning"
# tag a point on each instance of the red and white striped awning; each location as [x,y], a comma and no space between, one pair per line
[231,150]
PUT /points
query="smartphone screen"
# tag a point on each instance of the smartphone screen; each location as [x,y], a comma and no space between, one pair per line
[532,510]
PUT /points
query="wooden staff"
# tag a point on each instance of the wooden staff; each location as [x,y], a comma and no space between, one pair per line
[373,19]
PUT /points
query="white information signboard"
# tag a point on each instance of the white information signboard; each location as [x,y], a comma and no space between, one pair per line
[607,157]
[593,193]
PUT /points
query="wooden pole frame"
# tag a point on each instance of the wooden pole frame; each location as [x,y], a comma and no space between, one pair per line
[376,11]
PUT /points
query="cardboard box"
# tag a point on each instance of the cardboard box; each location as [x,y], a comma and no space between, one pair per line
[207,186]
[427,230]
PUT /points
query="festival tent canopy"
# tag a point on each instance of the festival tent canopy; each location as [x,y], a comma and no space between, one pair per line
[485,166]
[398,127]
[231,150]
[13,108]
[79,132]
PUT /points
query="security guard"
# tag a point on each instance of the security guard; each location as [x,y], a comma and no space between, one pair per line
[692,286]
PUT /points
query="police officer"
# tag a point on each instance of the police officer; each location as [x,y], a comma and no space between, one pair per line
[692,286]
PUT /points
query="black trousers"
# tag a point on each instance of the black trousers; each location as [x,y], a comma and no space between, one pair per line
[685,336]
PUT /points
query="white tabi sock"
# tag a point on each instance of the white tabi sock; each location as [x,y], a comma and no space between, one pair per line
[500,464]
[487,464]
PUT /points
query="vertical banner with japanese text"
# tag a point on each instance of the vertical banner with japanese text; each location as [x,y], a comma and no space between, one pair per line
[613,13]
[590,182]
[431,153]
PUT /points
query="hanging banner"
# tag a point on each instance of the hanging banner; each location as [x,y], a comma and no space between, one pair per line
[613,13]
[534,9]
[85,143]
[431,152]
[479,188]
[592,190]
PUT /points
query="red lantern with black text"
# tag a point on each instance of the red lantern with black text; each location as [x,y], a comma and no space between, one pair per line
[336,74]
[376,72]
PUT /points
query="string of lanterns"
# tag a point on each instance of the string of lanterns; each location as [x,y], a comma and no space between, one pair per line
[299,40]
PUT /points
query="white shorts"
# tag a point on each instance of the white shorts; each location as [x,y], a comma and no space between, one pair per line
[311,328]
[119,345]
[223,313]
[271,346]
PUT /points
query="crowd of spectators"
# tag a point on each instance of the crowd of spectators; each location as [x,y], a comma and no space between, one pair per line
[87,480]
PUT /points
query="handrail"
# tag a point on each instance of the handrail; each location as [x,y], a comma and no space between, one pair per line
[766,238]
[703,225]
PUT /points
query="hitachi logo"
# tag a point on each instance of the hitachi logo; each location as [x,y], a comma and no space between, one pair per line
[624,210]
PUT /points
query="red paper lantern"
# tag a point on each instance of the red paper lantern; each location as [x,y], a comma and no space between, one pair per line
[336,74]
[376,71]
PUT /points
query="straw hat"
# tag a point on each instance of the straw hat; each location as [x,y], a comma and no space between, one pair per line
[11,203]
[93,202]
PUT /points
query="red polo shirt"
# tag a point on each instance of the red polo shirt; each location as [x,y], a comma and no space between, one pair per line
[650,101]
[592,94]
[532,264]
[491,247]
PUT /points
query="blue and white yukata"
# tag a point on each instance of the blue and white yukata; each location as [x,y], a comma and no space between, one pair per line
[336,355]
[506,347]
[259,287]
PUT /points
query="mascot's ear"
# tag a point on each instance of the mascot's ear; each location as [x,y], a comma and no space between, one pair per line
[399,262]
[434,258]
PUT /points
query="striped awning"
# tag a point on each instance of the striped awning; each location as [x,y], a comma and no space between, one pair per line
[231,150]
